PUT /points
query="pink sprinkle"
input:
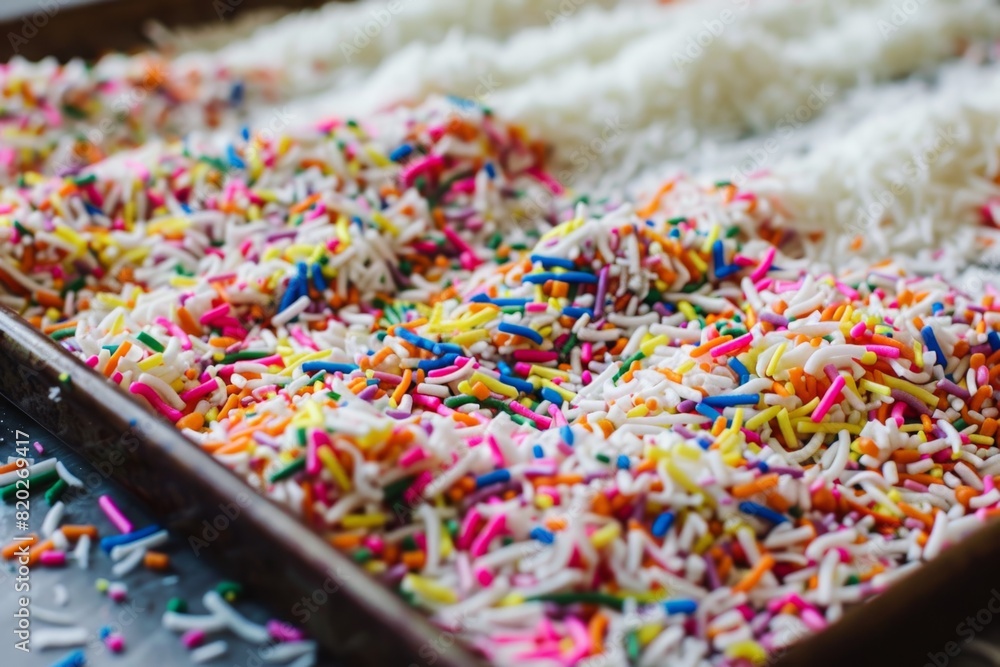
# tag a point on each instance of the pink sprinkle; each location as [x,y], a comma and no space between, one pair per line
[52,558]
[115,643]
[535,356]
[412,456]
[494,527]
[764,267]
[484,577]
[154,399]
[832,396]
[732,346]
[858,329]
[114,514]
[283,632]
[193,638]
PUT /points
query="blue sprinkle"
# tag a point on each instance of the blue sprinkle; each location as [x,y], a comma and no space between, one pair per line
[623,462]
[519,384]
[414,339]
[553,262]
[542,535]
[319,282]
[91,209]
[718,255]
[763,467]
[494,477]
[483,298]
[662,524]
[524,332]
[462,102]
[104,631]
[74,659]
[708,411]
[705,443]
[107,543]
[504,368]
[932,344]
[401,153]
[680,606]
[245,133]
[675,233]
[740,370]
[538,452]
[567,277]
[936,307]
[236,94]
[726,271]
[577,312]
[491,171]
[434,364]
[328,366]
[993,338]
[234,159]
[731,400]
[447,348]
[566,433]
[761,512]
[551,395]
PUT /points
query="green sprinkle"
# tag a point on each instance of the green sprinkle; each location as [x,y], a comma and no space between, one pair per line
[56,490]
[603,458]
[362,555]
[244,355]
[394,491]
[34,483]
[454,402]
[226,587]
[63,333]
[289,470]
[150,342]
[177,605]
[602,599]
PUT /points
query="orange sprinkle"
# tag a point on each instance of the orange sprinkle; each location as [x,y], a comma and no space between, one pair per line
[752,578]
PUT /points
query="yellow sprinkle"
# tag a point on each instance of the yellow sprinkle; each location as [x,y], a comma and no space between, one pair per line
[648,633]
[713,236]
[687,309]
[772,365]
[352,521]
[467,338]
[747,650]
[806,409]
[650,345]
[763,417]
[685,367]
[543,501]
[785,424]
[638,411]
[332,464]
[151,361]
[606,535]
[875,388]
[807,426]
[550,373]
[429,589]
[910,388]
[511,600]
[980,439]
[495,385]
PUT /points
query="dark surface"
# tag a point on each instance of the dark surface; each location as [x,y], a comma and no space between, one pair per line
[265,548]
[138,618]
[94,27]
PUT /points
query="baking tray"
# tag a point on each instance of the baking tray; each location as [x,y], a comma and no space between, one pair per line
[280,560]
[917,622]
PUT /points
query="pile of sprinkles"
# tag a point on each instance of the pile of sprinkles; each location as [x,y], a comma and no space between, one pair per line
[573,432]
